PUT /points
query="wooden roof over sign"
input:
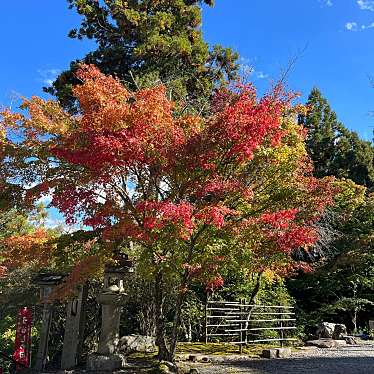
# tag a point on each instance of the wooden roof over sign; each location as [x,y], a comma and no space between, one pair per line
[48,279]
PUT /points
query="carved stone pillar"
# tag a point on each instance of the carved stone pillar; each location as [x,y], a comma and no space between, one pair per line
[46,282]
[74,329]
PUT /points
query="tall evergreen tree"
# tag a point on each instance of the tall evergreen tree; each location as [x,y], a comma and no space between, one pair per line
[333,148]
[148,41]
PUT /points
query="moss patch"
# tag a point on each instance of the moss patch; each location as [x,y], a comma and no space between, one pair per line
[222,349]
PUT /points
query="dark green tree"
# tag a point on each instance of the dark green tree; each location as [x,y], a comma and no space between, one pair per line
[342,289]
[146,42]
[333,148]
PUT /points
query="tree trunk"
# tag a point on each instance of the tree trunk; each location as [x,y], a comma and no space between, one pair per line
[252,299]
[177,318]
[163,352]
[189,330]
[354,320]
[256,289]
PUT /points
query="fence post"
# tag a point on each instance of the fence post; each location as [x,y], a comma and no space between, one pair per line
[241,326]
[281,327]
[246,323]
[206,318]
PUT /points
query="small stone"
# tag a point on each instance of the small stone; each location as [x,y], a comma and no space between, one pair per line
[307,348]
[193,371]
[162,368]
[284,352]
[105,362]
[205,359]
[269,353]
[192,358]
[350,340]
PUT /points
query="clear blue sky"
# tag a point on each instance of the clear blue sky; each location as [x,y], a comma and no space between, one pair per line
[333,40]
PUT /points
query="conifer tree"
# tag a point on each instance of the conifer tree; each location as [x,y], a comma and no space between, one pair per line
[147,42]
[333,148]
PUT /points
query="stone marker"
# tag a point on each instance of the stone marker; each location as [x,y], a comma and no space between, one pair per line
[46,282]
[74,329]
[41,356]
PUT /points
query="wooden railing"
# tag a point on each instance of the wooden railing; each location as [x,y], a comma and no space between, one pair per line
[241,323]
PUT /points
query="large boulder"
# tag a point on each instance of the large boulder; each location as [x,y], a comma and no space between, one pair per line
[325,330]
[340,331]
[137,343]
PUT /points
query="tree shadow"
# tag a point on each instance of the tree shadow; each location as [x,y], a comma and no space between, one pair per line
[310,365]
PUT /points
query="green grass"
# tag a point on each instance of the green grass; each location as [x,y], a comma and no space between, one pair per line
[222,349]
[214,349]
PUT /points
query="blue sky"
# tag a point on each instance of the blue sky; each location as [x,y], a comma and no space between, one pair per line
[332,40]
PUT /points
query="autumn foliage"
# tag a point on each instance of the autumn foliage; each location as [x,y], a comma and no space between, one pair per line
[178,184]
[34,250]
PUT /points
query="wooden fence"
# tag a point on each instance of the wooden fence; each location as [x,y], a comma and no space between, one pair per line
[241,323]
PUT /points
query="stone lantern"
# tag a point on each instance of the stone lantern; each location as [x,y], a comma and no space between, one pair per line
[112,298]
[47,282]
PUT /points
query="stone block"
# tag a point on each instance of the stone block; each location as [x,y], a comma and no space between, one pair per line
[323,343]
[284,352]
[270,353]
[105,362]
[341,342]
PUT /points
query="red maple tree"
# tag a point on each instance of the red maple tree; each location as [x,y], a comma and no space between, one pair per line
[180,185]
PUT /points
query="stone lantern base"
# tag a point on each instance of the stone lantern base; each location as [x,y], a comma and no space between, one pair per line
[102,362]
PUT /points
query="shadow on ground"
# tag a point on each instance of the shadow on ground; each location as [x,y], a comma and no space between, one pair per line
[313,365]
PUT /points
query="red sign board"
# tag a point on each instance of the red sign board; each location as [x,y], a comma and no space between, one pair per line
[22,346]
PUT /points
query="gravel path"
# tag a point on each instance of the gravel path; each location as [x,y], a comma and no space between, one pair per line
[344,360]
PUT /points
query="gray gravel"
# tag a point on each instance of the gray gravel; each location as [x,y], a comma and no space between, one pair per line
[343,360]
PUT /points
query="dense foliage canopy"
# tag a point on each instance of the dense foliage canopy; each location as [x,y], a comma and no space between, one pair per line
[193,192]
